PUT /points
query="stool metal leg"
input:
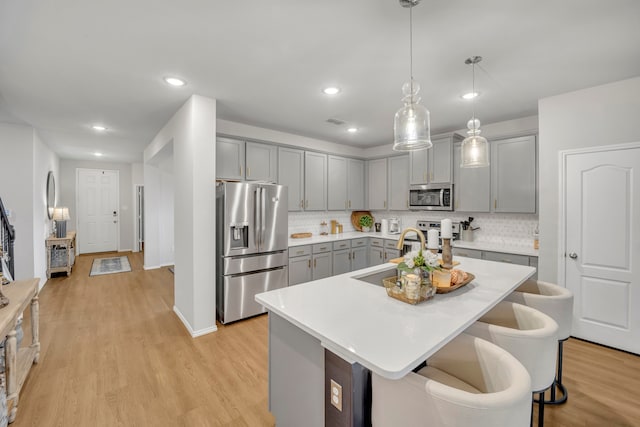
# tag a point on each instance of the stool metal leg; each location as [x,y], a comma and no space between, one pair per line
[558,382]
[541,409]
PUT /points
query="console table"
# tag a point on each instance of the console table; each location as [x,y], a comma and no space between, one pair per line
[60,253]
[18,361]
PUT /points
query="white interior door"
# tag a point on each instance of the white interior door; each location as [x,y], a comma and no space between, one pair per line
[98,205]
[602,259]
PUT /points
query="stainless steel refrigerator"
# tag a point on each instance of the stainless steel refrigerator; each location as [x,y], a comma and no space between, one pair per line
[251,246]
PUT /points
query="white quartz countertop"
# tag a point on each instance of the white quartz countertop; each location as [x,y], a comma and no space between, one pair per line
[358,321]
[482,246]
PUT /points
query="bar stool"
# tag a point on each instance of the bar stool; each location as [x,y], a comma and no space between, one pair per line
[468,382]
[527,334]
[557,303]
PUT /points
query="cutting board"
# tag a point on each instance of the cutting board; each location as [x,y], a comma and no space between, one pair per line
[301,235]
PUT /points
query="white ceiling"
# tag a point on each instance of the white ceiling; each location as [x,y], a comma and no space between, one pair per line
[67,64]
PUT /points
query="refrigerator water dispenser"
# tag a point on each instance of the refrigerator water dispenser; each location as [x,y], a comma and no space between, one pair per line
[239,235]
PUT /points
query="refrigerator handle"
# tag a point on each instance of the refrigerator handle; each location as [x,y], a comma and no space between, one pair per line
[263,208]
[257,222]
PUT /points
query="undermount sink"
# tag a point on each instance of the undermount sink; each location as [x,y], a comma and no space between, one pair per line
[377,277]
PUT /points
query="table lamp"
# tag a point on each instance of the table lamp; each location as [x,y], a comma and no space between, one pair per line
[60,216]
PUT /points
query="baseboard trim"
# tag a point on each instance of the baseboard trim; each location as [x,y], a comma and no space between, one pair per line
[125,250]
[194,334]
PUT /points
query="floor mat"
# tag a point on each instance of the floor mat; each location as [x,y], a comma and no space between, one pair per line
[119,264]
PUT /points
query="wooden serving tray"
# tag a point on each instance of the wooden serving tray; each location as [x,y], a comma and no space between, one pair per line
[454,287]
[301,235]
[355,218]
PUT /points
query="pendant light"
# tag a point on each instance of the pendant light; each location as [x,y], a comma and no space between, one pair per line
[474,152]
[411,125]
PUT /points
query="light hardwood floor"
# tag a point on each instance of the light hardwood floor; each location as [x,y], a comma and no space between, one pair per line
[114,354]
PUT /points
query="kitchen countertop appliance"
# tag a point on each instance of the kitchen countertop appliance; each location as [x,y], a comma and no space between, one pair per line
[251,246]
[425,225]
[394,226]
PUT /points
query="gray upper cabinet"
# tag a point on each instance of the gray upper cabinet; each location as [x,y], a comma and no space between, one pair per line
[315,181]
[355,184]
[440,160]
[229,159]
[377,184]
[261,162]
[240,160]
[399,183]
[291,174]
[418,165]
[337,183]
[432,165]
[471,186]
[513,175]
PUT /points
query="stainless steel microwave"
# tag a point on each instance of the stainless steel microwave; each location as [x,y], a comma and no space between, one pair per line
[431,197]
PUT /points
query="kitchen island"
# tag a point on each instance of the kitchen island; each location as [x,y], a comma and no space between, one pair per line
[364,329]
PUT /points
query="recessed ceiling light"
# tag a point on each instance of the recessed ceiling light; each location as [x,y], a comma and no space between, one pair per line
[174,81]
[352,130]
[331,90]
[470,95]
[97,154]
[99,128]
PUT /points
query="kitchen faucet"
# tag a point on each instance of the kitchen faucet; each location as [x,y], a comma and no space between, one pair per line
[405,231]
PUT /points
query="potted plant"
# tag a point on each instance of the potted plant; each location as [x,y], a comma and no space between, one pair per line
[366,221]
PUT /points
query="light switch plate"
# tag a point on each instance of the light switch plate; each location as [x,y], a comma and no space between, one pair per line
[335,394]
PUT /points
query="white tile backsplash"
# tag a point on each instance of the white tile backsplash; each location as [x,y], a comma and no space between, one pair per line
[506,229]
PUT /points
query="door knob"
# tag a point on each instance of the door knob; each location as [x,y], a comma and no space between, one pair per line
[573,255]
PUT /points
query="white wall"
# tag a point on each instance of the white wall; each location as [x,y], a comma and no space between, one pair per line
[68,195]
[25,163]
[191,132]
[44,160]
[598,116]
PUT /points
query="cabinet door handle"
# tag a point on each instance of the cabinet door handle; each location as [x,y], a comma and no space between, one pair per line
[424,176]
[384,204]
[507,260]
[314,263]
[380,255]
[349,203]
[354,256]
[248,171]
[301,203]
[309,263]
[240,169]
[431,177]
[495,203]
[407,203]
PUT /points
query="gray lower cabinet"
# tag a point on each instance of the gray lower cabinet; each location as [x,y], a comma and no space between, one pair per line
[341,261]
[469,253]
[390,254]
[321,261]
[359,252]
[531,261]
[376,251]
[359,258]
[376,256]
[299,265]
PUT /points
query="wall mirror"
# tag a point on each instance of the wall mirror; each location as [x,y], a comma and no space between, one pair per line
[51,194]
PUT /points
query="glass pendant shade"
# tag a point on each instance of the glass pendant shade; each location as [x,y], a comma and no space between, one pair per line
[474,152]
[412,124]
